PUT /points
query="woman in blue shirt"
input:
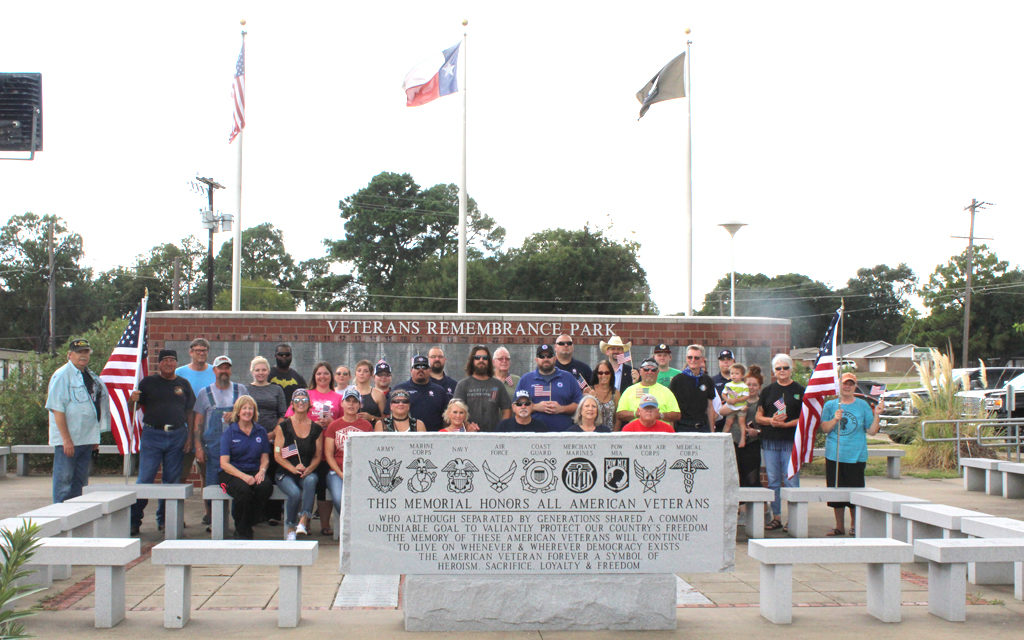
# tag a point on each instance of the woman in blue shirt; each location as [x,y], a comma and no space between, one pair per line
[848,421]
[244,458]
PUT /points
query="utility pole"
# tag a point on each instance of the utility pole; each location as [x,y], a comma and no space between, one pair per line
[52,289]
[211,184]
[175,285]
[973,208]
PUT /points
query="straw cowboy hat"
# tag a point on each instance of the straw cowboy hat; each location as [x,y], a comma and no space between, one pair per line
[614,341]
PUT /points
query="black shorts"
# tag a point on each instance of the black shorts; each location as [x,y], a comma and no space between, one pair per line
[851,474]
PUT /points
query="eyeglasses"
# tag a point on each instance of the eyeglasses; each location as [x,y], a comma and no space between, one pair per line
[694,357]
[400,402]
[481,357]
[564,343]
[502,358]
[782,368]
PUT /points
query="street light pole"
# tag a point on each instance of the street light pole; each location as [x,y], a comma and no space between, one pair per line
[210,223]
[732,228]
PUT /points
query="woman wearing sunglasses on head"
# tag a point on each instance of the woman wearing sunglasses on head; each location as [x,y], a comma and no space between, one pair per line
[399,420]
[777,415]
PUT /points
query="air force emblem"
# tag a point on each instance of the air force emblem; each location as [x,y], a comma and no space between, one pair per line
[385,474]
[424,478]
[688,467]
[649,479]
[499,483]
[460,475]
[616,474]
[539,475]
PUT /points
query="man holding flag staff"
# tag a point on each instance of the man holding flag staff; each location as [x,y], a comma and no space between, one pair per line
[848,421]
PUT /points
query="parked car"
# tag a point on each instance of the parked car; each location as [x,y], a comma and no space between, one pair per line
[977,398]
[899,404]
[994,402]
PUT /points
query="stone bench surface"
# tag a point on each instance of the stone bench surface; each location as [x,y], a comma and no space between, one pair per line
[884,501]
[992,527]
[214,492]
[42,449]
[146,491]
[87,551]
[963,550]
[110,501]
[48,526]
[820,494]
[242,552]
[874,453]
[826,550]
[73,515]
[939,515]
[979,463]
[5,451]
[1012,467]
[756,494]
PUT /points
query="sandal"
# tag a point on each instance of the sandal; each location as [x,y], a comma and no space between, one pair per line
[773,525]
[835,532]
[852,532]
[326,531]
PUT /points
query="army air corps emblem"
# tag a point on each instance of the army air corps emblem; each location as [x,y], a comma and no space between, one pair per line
[616,473]
[424,478]
[385,474]
[539,475]
[579,475]
[499,483]
[649,479]
[460,475]
[688,467]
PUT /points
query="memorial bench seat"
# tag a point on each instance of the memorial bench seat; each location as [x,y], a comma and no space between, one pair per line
[221,505]
[982,474]
[77,521]
[174,496]
[4,452]
[947,569]
[926,521]
[116,505]
[753,516]
[995,573]
[882,556]
[878,514]
[22,451]
[798,498]
[1013,479]
[179,556]
[892,459]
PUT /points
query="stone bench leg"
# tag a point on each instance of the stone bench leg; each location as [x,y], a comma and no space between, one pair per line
[1013,485]
[892,467]
[110,602]
[289,597]
[3,465]
[40,575]
[1018,580]
[884,590]
[921,531]
[22,464]
[219,519]
[177,596]
[947,590]
[896,527]
[777,593]
[993,482]
[797,515]
[755,519]
[871,523]
[174,519]
[974,479]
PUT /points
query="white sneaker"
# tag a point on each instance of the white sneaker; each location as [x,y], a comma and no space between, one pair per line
[290,537]
[301,529]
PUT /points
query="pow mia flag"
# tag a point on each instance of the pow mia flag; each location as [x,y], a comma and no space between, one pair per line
[667,84]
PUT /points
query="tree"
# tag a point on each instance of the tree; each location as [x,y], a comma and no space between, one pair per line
[264,257]
[257,295]
[393,226]
[877,302]
[807,303]
[325,290]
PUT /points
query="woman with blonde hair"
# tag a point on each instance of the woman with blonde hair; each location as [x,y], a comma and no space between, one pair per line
[244,458]
[456,417]
[586,418]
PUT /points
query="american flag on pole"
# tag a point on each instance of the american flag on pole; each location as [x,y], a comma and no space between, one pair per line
[539,391]
[824,383]
[127,365]
[780,405]
[238,95]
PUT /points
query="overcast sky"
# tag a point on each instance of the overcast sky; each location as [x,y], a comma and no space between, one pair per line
[847,134]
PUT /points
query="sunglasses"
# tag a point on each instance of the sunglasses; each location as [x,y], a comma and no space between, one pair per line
[522,404]
[481,358]
[403,401]
[604,373]
[421,366]
[545,357]
[648,369]
[300,400]
[566,343]
[282,355]
[782,368]
[694,357]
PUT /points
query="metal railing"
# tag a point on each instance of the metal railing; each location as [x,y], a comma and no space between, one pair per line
[1006,433]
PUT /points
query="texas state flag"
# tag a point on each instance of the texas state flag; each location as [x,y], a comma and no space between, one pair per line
[432,78]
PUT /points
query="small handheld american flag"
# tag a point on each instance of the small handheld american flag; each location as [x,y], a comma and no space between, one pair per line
[290,450]
[540,392]
[780,406]
[877,389]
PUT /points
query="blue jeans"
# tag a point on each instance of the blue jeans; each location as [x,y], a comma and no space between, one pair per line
[212,463]
[71,474]
[776,461]
[157,449]
[334,484]
[298,491]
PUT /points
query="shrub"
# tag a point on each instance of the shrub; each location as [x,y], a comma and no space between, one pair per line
[16,547]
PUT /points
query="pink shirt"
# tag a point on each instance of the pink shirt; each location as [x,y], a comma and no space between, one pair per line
[318,401]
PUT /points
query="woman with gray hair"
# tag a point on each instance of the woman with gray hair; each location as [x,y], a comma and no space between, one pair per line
[778,411]
[585,420]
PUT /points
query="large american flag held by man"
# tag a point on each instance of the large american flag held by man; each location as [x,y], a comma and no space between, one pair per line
[823,384]
[127,365]
[238,95]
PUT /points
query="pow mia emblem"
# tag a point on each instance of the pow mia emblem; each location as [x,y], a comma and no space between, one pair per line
[689,467]
[649,479]
[539,475]
[499,483]
[460,475]
[579,475]
[424,478]
[616,474]
[385,474]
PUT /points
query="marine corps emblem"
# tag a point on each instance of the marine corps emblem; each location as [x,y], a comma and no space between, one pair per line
[460,475]
[539,475]
[424,478]
[385,474]
[616,474]
[688,467]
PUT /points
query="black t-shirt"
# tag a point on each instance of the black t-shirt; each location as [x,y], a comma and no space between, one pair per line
[165,401]
[447,383]
[509,425]
[577,369]
[306,446]
[692,395]
[720,381]
[792,395]
[289,381]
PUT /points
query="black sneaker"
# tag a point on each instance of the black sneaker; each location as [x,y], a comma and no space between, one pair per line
[160,527]
[206,520]
[134,531]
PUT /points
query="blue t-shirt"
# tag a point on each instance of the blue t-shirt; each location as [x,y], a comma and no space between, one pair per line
[560,386]
[198,379]
[244,451]
[851,433]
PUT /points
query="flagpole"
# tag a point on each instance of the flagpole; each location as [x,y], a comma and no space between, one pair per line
[463,196]
[839,360]
[689,184]
[236,255]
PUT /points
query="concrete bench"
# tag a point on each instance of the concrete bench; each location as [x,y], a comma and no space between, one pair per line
[878,514]
[1013,479]
[947,569]
[180,555]
[892,459]
[755,498]
[110,556]
[174,495]
[881,555]
[998,573]
[220,507]
[4,452]
[40,574]
[930,521]
[797,499]
[77,521]
[982,474]
[116,521]
[23,451]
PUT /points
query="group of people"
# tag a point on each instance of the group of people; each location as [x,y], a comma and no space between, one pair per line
[277,429]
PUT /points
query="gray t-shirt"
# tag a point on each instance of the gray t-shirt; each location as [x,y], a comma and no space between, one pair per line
[486,400]
[270,402]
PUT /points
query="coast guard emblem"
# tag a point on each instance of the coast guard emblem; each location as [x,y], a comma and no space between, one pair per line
[688,467]
[616,474]
[424,478]
[539,475]
[460,475]
[649,479]
[579,475]
[385,474]
[499,483]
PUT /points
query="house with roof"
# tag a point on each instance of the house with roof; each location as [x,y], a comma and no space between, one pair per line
[876,356]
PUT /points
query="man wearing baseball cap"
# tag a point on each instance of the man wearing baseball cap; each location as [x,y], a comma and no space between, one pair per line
[647,418]
[663,356]
[522,420]
[725,362]
[212,402]
[428,398]
[554,393]
[629,401]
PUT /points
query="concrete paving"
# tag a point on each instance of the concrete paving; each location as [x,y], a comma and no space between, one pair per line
[236,602]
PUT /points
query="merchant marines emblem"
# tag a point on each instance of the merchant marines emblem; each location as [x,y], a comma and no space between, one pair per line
[616,474]
[385,474]
[579,475]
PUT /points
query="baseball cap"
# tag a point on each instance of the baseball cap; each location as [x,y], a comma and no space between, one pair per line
[79,344]
[382,368]
[521,395]
[648,401]
[662,348]
[545,350]
[420,362]
[726,354]
[219,360]
[168,353]
[847,376]
[351,392]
